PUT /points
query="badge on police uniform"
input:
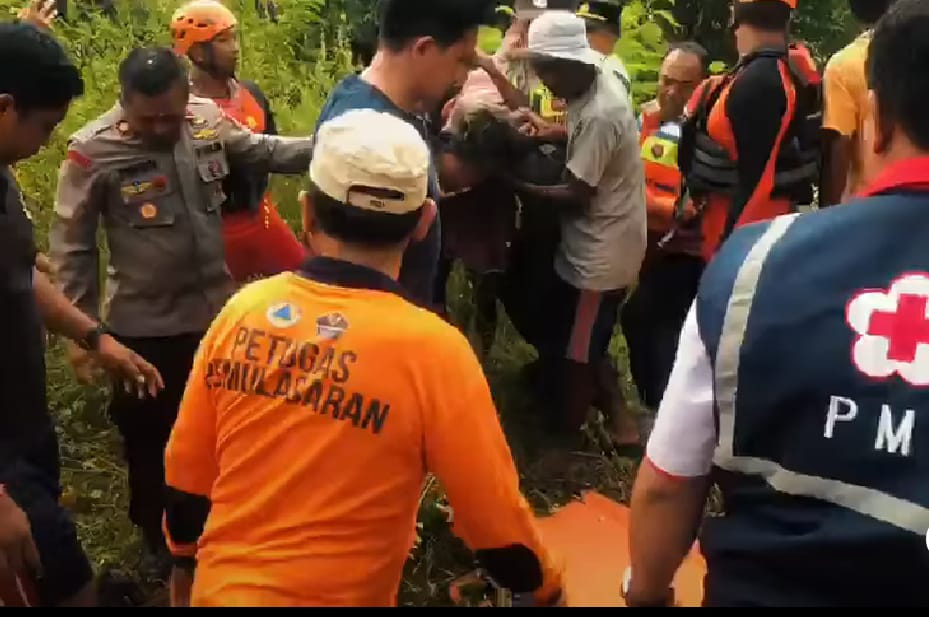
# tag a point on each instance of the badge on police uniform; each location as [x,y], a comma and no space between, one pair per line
[143,188]
[148,211]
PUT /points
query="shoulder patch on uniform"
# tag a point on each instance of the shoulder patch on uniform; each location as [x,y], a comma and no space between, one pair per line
[80,159]
[283,314]
[331,326]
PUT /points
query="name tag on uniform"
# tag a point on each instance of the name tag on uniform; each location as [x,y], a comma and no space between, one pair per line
[211,162]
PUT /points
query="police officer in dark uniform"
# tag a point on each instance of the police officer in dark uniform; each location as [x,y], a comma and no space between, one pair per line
[153,169]
[37,84]
[801,387]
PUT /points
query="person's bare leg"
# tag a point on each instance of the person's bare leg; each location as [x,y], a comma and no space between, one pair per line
[623,425]
[578,392]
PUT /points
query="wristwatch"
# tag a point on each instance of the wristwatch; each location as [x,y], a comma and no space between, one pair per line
[668,600]
[91,339]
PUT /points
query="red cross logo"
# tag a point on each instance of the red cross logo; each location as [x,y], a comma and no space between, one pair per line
[892,330]
[905,329]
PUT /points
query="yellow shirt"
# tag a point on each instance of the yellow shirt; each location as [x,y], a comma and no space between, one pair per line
[845,89]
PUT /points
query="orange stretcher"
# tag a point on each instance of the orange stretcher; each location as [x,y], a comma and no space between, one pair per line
[591,536]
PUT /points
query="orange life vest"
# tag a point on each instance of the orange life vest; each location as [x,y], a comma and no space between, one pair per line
[709,157]
[659,143]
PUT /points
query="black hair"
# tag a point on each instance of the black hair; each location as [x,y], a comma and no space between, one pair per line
[35,70]
[897,59]
[769,15]
[869,11]
[151,71]
[599,25]
[446,21]
[695,49]
[359,226]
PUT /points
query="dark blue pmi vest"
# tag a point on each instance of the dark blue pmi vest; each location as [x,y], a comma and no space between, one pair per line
[817,329]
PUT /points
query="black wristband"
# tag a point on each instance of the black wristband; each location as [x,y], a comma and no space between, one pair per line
[188,564]
[91,340]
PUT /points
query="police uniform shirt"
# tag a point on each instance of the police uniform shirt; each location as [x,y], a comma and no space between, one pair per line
[23,406]
[161,210]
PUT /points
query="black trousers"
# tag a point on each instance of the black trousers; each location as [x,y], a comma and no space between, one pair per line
[145,426]
[653,316]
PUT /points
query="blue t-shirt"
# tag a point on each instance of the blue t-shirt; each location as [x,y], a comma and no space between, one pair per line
[420,263]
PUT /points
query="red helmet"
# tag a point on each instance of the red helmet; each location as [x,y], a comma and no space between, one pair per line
[199,21]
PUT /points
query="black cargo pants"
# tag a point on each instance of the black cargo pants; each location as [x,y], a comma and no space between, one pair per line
[145,426]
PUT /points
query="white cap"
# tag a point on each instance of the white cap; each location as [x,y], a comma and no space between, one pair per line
[364,149]
[561,34]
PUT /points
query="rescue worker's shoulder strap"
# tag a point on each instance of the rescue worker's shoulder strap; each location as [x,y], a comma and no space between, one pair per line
[255,90]
[799,77]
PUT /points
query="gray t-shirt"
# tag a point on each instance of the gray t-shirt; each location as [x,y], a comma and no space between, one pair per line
[603,249]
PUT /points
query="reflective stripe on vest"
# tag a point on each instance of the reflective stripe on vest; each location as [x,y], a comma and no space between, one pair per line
[869,502]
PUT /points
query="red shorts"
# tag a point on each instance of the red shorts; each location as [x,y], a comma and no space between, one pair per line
[260,244]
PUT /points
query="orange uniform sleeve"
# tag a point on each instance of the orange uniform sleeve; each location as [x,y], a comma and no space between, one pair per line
[190,458]
[468,452]
[841,113]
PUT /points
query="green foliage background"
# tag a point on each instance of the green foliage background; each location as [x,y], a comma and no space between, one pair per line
[297,61]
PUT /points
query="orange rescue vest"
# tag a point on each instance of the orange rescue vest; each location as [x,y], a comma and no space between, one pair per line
[708,155]
[659,143]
